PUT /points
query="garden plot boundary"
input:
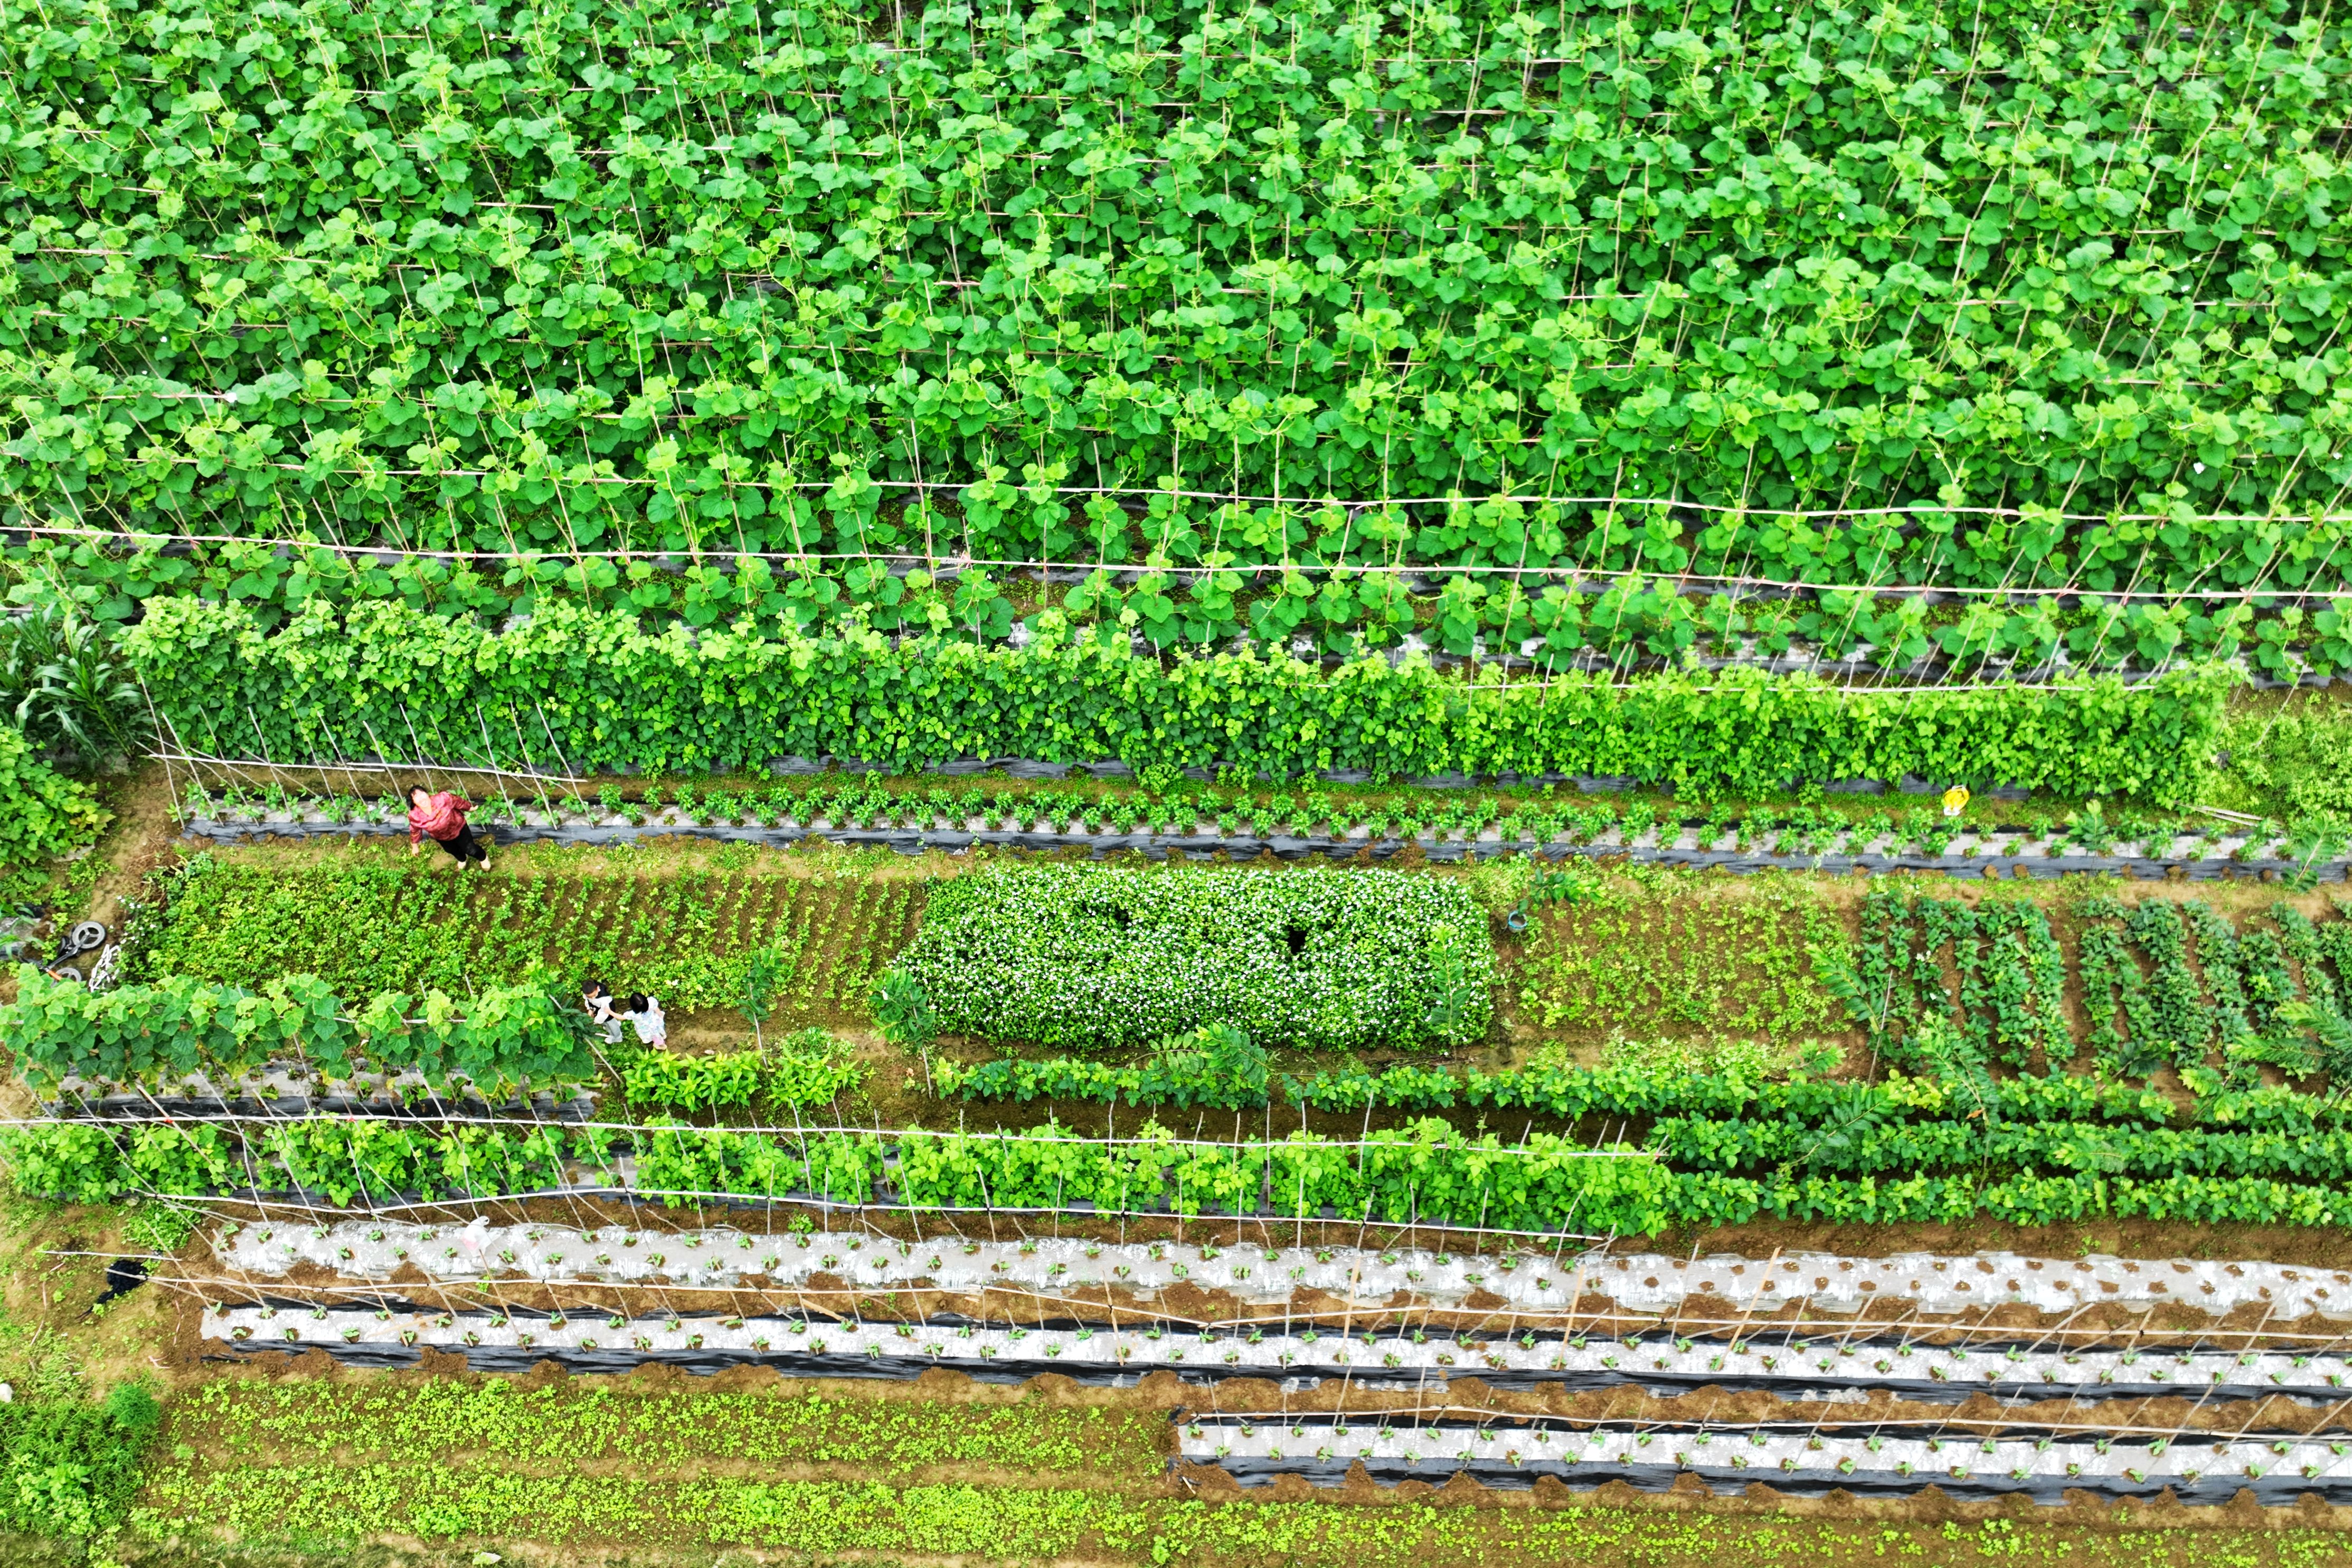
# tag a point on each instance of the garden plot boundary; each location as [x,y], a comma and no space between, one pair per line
[1993,864]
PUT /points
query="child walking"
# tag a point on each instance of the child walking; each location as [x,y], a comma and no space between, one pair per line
[645,1016]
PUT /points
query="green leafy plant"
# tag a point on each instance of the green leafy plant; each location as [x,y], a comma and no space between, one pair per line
[812,1067]
[503,1039]
[74,1465]
[64,685]
[162,1226]
[902,1011]
[318,686]
[761,977]
[43,814]
[1218,1066]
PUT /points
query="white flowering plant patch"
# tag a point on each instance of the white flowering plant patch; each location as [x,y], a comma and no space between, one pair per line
[1312,959]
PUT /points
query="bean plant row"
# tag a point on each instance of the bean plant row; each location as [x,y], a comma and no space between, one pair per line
[1548,620]
[1943,988]
[1427,1172]
[571,691]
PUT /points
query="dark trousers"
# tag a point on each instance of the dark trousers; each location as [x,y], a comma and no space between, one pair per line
[463,847]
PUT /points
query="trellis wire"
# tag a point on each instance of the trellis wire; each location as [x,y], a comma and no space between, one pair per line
[1573,575]
[811,1131]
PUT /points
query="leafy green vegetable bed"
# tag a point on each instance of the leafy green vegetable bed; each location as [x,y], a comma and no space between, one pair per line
[495,1422]
[1321,960]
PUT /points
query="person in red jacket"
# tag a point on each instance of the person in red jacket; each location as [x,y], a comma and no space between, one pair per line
[442,818]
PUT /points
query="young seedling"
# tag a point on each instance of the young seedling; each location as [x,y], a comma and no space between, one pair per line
[761,980]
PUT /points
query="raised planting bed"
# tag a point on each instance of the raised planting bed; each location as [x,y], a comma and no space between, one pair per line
[1080,1341]
[1799,841]
[1720,1291]
[1890,1461]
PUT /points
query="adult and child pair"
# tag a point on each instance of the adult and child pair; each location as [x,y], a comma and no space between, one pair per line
[639,1011]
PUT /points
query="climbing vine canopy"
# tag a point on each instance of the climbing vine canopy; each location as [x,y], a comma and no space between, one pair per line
[585,275]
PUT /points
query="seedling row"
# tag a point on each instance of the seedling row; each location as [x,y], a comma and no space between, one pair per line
[942,814]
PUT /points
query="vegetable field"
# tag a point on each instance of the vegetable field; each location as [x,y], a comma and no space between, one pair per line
[1350,744]
[978,280]
[688,938]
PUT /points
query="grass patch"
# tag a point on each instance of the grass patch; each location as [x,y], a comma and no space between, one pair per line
[2288,758]
[496,1425]
[325,1504]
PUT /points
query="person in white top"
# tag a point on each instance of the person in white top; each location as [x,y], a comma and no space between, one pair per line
[645,1017]
[598,999]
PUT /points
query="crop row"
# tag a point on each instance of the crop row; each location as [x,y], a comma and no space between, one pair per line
[1542,620]
[1523,814]
[500,1040]
[1427,1172]
[154,1040]
[808,1068]
[275,1422]
[1005,263]
[449,1500]
[1789,1367]
[1979,1144]
[1970,1463]
[1178,1076]
[1855,1132]
[576,690]
[690,939]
